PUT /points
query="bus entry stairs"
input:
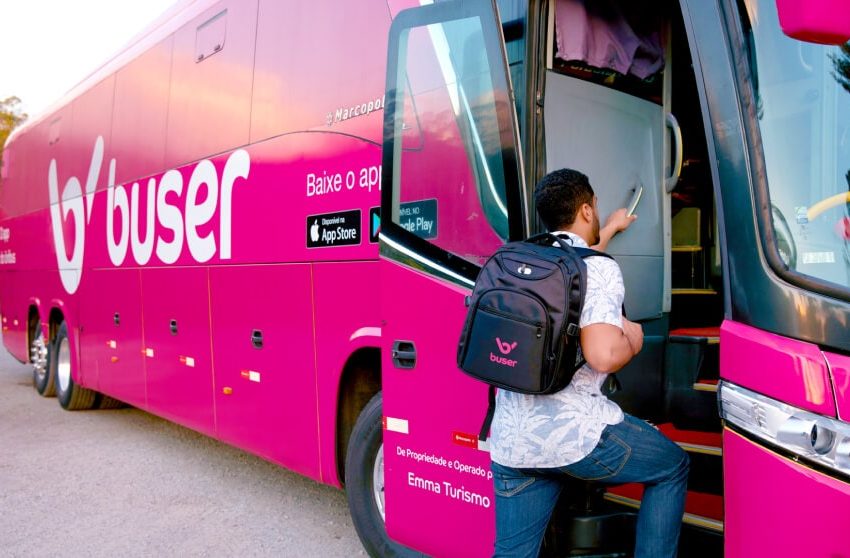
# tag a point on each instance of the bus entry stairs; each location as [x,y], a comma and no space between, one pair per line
[593,521]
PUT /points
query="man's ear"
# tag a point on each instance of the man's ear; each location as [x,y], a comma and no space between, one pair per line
[586,212]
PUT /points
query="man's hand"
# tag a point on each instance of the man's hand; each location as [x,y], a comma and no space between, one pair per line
[634,333]
[619,221]
[616,222]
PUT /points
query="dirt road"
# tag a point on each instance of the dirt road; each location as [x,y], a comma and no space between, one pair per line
[126,483]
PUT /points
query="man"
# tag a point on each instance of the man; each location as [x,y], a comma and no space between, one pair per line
[537,441]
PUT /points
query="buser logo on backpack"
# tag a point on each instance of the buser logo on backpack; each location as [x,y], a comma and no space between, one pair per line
[502,360]
[504,347]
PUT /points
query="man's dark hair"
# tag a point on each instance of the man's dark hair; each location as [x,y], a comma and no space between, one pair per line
[559,195]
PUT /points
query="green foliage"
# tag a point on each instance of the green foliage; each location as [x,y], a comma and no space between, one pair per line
[841,61]
[10,117]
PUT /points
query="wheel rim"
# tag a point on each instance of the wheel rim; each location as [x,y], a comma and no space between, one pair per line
[63,364]
[38,355]
[378,481]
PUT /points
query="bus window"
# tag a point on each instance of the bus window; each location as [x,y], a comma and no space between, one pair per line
[452,190]
[514,15]
[200,124]
[210,36]
[802,93]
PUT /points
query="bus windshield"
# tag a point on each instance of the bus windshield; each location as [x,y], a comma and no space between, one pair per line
[803,106]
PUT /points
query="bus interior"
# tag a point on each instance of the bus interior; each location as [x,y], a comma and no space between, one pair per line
[622,104]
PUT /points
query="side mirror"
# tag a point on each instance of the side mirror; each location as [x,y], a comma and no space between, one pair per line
[815,21]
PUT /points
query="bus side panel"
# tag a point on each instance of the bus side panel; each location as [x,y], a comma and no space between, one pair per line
[26,190]
[781,492]
[839,366]
[304,80]
[14,316]
[175,310]
[265,376]
[209,104]
[111,339]
[91,118]
[346,302]
[7,276]
[138,136]
[297,180]
[398,5]
[798,373]
[10,173]
[13,304]
[435,474]
[32,278]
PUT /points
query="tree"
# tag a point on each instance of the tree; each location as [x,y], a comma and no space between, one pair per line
[841,62]
[10,117]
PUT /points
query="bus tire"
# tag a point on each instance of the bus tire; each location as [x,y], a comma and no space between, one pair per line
[42,379]
[71,396]
[364,498]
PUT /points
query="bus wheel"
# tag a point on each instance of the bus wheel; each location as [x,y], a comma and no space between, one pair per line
[364,483]
[42,379]
[71,396]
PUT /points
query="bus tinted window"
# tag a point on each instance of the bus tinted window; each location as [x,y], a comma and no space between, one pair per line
[803,105]
[514,14]
[453,197]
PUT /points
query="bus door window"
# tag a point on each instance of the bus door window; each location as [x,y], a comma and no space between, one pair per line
[514,15]
[451,187]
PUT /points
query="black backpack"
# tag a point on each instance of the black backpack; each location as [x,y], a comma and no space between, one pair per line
[522,329]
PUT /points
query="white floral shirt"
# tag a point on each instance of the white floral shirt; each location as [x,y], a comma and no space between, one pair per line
[562,428]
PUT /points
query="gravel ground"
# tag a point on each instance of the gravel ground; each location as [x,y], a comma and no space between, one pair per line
[126,483]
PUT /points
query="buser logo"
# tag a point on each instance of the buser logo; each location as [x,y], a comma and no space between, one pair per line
[168,223]
[505,348]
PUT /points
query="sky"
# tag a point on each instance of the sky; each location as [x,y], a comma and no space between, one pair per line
[48,46]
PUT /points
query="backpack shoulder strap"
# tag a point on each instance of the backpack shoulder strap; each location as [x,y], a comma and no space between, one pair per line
[488,418]
[557,238]
[588,252]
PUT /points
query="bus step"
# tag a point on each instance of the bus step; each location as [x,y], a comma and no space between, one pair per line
[691,371]
[599,535]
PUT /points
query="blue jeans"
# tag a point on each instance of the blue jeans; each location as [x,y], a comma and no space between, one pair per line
[631,451]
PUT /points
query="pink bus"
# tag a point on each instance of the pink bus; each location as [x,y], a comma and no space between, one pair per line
[261,218]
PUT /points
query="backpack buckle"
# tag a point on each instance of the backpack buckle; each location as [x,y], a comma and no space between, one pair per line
[573,329]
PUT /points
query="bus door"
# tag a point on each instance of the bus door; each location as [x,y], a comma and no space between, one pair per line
[449,200]
[606,115]
[604,107]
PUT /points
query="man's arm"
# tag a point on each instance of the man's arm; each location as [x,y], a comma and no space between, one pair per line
[616,222]
[607,348]
[608,340]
